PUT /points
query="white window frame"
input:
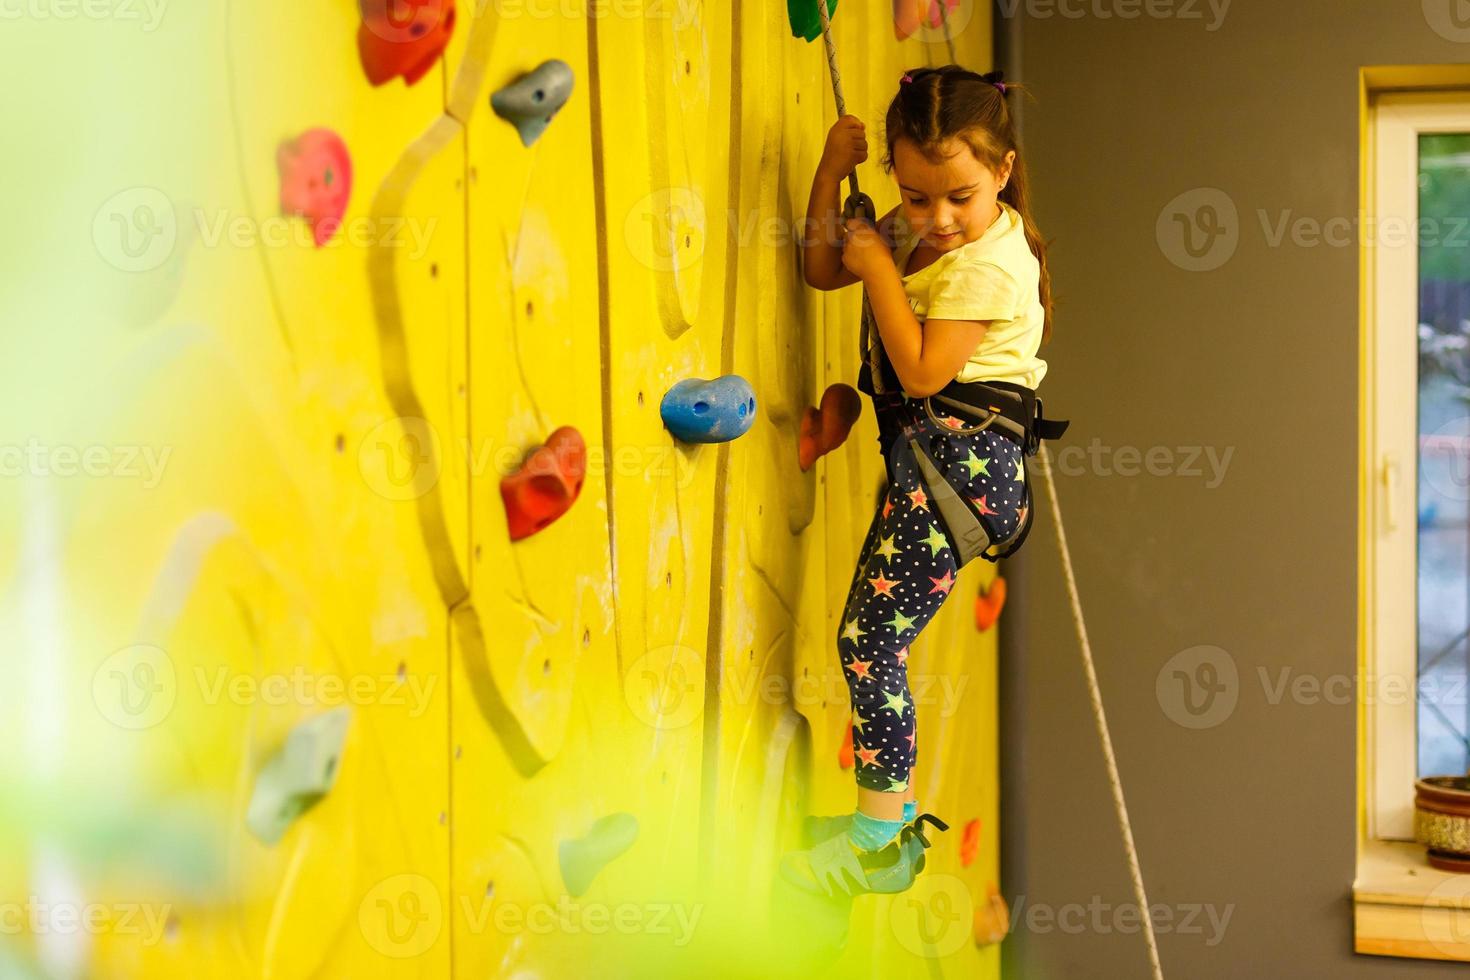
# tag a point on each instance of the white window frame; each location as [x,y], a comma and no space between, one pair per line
[1390,434]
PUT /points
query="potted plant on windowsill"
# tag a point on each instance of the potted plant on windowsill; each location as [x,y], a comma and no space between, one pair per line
[1442,820]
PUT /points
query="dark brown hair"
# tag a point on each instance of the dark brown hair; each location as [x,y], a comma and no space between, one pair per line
[937,104]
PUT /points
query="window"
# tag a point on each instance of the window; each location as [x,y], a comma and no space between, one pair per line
[1418,250]
[1443,734]
[1414,584]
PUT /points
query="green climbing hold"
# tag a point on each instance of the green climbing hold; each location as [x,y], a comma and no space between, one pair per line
[300,774]
[582,858]
[806,20]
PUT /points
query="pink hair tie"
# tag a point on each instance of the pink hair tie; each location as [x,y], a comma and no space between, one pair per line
[906,78]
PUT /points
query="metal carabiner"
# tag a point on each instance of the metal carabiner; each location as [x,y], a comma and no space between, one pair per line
[960,431]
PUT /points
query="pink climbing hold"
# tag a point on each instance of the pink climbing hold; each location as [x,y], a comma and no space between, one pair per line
[546,484]
[316,180]
[403,37]
[825,428]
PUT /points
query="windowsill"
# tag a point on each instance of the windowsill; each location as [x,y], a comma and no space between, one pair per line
[1403,907]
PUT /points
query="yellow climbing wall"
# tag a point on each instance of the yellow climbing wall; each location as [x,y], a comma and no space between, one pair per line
[326,525]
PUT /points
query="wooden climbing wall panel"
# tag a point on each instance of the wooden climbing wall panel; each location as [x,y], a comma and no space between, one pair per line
[278,567]
[619,718]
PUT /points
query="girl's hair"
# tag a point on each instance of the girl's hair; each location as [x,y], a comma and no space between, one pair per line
[934,105]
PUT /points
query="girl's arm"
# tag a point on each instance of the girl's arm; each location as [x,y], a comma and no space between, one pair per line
[821,249]
[925,356]
[821,244]
[821,240]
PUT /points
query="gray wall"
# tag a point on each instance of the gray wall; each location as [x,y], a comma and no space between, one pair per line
[1254,816]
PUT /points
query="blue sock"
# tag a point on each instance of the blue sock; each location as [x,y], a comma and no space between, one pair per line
[869,833]
[910,810]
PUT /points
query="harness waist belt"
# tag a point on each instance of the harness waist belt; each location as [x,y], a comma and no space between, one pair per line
[1014,408]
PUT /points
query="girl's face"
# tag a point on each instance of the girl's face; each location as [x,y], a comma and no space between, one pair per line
[950,203]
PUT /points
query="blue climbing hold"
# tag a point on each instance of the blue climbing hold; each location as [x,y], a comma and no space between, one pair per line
[529,104]
[583,858]
[696,410]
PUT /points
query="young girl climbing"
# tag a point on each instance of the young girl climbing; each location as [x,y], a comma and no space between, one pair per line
[956,304]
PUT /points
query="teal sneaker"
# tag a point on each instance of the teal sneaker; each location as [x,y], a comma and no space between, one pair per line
[815,829]
[888,870]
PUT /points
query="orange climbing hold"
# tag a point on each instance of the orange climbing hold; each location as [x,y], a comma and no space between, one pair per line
[825,428]
[909,14]
[992,917]
[402,37]
[970,843]
[989,603]
[844,754]
[546,484]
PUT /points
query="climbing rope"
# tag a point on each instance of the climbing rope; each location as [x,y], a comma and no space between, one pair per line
[1100,718]
[858,204]
[832,58]
[944,21]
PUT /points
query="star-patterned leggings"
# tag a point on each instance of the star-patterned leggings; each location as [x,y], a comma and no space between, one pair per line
[905,570]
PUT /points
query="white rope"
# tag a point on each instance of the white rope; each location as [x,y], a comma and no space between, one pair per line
[1102,722]
[944,20]
[836,76]
[832,58]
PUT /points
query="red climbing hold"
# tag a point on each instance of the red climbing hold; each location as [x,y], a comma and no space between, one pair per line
[316,180]
[970,843]
[989,603]
[824,429]
[546,485]
[844,754]
[402,37]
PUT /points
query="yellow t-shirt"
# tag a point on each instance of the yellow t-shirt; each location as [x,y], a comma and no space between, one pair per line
[992,278]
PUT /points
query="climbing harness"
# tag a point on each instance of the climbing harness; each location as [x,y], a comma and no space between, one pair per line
[1011,409]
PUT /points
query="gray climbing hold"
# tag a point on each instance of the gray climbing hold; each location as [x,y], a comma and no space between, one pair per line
[583,858]
[529,104]
[299,775]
